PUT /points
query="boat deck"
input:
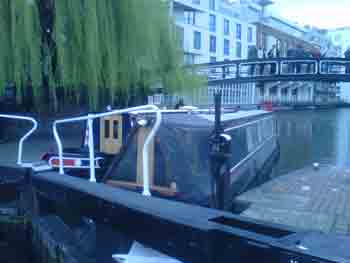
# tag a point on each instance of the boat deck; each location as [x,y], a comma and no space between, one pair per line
[307,199]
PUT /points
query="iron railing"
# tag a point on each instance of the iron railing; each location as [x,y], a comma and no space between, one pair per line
[24,137]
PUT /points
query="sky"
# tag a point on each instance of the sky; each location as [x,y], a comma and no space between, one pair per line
[326,14]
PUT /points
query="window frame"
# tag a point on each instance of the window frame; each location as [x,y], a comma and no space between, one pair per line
[250,34]
[212,5]
[239,50]
[197,35]
[212,49]
[226,47]
[226,27]
[212,23]
[238,31]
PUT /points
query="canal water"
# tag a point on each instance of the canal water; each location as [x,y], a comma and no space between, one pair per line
[309,136]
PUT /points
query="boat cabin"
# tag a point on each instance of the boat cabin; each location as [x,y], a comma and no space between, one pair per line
[179,154]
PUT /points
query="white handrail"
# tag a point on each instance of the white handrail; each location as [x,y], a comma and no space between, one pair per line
[24,137]
[248,124]
[257,148]
[89,118]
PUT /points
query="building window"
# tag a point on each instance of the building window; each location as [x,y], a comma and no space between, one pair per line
[180,34]
[239,31]
[212,44]
[189,59]
[264,41]
[212,23]
[226,47]
[212,4]
[190,18]
[226,27]
[250,34]
[197,41]
[239,50]
[212,59]
[338,38]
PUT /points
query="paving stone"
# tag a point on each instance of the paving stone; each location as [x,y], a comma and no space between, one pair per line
[307,199]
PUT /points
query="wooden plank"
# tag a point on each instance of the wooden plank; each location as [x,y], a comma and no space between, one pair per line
[165,191]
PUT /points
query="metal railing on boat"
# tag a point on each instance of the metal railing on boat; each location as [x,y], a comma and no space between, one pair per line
[24,137]
[90,118]
[260,145]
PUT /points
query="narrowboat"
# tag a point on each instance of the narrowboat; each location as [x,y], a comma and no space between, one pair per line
[179,165]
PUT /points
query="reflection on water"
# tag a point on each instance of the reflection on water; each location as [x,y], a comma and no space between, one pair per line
[313,136]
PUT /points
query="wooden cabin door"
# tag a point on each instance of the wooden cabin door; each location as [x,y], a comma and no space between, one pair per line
[111,134]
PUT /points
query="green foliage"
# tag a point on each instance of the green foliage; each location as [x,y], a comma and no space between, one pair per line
[20,41]
[101,47]
[5,44]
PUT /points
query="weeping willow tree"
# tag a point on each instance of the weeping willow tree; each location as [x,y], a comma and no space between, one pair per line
[20,41]
[102,50]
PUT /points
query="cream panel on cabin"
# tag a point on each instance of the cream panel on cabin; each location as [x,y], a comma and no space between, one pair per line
[141,138]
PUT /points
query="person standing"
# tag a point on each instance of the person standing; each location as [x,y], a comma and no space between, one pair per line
[179,104]
[299,54]
[347,56]
[347,53]
[262,54]
[272,54]
[291,53]
[252,54]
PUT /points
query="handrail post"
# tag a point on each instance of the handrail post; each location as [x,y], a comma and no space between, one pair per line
[91,148]
[21,141]
[59,146]
[146,187]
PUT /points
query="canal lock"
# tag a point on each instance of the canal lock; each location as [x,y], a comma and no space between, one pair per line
[30,236]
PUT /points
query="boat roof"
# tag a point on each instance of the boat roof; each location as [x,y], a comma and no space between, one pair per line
[197,119]
[234,115]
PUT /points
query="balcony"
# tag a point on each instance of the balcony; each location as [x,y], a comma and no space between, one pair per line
[188,5]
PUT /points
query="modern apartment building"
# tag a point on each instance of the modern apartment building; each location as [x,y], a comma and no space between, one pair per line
[213,30]
[341,38]
[219,30]
[216,30]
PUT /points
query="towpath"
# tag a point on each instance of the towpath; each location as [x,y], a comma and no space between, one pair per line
[307,199]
